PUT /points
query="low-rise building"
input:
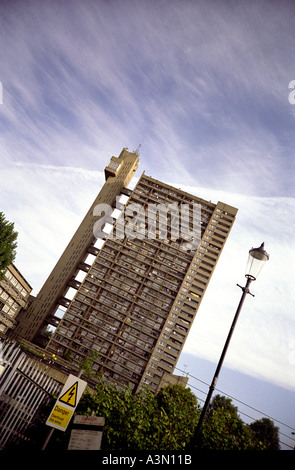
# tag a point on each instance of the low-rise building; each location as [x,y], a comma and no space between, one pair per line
[14,295]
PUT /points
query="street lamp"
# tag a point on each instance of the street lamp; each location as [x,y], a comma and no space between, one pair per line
[256,260]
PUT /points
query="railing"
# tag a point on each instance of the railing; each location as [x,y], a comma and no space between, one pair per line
[25,387]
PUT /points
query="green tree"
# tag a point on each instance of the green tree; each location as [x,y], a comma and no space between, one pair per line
[143,421]
[165,421]
[8,244]
[126,415]
[266,434]
[179,411]
[223,429]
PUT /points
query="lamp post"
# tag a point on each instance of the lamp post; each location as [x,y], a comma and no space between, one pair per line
[256,260]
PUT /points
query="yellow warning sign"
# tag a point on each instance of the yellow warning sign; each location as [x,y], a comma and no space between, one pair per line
[70,396]
[59,417]
[65,405]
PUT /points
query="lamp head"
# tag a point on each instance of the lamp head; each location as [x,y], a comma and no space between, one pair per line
[256,260]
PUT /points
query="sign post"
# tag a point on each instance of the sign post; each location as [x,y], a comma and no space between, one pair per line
[65,405]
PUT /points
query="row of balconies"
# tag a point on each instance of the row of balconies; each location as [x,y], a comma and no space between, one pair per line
[145,320]
[157,223]
[135,345]
[133,366]
[113,326]
[100,330]
[116,279]
[106,314]
[146,340]
[158,266]
[132,369]
[176,332]
[113,378]
[121,370]
[151,313]
[163,252]
[153,308]
[106,299]
[120,352]
[155,190]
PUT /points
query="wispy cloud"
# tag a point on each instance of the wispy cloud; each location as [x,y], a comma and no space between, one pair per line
[196,83]
[204,85]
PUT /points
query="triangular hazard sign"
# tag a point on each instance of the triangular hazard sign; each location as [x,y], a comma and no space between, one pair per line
[70,396]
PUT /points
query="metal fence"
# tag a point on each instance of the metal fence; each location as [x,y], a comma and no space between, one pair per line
[24,389]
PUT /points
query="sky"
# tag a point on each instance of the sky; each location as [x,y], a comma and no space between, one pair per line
[203,88]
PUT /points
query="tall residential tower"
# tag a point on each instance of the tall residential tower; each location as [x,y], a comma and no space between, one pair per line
[138,299]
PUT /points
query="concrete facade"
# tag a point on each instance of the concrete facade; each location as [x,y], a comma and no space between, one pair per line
[137,302]
[133,309]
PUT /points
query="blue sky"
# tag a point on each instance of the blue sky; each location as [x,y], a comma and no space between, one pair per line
[203,85]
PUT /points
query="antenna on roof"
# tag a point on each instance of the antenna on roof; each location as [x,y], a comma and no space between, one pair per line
[136,151]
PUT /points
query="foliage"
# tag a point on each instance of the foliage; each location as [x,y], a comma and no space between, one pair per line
[165,421]
[223,429]
[266,433]
[8,244]
[143,421]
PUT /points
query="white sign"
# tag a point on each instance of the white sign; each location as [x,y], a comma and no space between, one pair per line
[66,403]
[85,440]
